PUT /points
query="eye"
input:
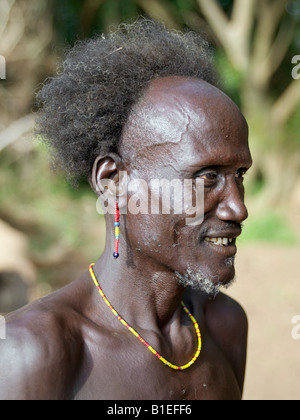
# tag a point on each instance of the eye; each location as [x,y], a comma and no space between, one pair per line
[239,175]
[208,176]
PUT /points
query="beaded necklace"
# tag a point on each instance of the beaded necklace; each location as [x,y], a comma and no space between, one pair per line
[162,359]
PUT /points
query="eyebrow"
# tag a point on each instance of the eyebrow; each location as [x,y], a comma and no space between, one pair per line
[243,166]
[243,160]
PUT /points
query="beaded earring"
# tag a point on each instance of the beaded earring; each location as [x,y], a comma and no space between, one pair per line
[117,230]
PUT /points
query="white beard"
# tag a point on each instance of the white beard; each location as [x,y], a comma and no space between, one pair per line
[203,281]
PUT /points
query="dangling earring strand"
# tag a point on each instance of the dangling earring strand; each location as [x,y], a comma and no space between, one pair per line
[117,230]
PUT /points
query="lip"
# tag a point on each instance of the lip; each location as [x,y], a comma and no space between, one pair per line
[228,234]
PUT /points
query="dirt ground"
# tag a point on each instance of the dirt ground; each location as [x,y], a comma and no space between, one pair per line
[268,286]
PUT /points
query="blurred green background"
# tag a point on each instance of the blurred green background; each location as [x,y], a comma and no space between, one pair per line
[49,231]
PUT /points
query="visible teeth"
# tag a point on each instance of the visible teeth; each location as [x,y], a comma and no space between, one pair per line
[220,241]
[225,241]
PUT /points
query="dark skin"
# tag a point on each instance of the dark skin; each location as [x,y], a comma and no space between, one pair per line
[69,345]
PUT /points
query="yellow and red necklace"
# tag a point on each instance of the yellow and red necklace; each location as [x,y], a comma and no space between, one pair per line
[132,330]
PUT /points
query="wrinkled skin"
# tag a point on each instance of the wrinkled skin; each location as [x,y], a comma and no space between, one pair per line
[69,345]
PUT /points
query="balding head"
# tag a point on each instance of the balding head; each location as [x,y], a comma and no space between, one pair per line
[168,110]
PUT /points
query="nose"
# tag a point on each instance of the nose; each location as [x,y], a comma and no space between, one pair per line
[231,207]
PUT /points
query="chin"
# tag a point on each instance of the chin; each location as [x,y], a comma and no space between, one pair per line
[208,280]
[227,273]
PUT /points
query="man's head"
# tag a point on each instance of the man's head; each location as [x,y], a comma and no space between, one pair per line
[143,101]
[187,129]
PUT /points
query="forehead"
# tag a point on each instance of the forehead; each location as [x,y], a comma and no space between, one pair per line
[188,119]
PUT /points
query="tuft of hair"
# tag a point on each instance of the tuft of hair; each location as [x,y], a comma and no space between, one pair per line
[84,108]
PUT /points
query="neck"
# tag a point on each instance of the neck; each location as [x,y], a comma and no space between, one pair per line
[141,289]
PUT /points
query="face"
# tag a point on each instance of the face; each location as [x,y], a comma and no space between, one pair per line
[189,130]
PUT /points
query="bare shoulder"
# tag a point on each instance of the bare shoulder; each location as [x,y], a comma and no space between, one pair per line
[40,352]
[227,323]
[220,311]
[224,309]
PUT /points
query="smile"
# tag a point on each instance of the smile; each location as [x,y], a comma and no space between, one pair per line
[221,241]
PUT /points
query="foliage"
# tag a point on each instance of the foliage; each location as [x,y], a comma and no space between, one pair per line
[269,227]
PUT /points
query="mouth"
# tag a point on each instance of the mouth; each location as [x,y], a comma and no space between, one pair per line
[221,241]
[225,246]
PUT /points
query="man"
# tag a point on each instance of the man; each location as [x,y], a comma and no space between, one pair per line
[141,102]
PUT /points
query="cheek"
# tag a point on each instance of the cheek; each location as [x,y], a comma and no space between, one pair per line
[161,238]
[147,233]
[211,201]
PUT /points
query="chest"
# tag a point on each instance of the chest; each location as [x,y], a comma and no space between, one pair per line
[136,374]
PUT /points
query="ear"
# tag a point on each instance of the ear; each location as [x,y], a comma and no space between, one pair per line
[108,180]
